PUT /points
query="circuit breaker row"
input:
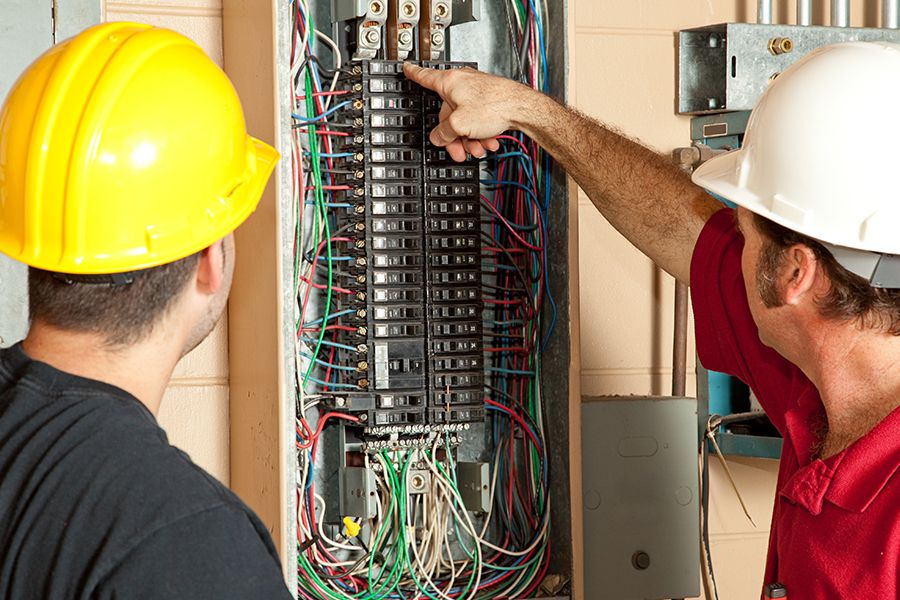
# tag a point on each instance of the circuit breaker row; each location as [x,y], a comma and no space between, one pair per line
[412,259]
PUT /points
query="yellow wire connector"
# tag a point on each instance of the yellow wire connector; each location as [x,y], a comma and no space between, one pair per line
[351,527]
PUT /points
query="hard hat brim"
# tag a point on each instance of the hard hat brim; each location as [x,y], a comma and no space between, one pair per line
[721,176]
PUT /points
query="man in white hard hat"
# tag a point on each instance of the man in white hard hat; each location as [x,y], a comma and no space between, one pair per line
[797,292]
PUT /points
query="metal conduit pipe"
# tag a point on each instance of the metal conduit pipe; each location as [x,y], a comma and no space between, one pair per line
[764,12]
[890,14]
[804,12]
[840,13]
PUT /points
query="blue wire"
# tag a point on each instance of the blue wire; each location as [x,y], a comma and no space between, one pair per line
[327,343]
[335,258]
[322,116]
[332,155]
[312,471]
[497,182]
[349,311]
[328,364]
[331,204]
[344,386]
[510,371]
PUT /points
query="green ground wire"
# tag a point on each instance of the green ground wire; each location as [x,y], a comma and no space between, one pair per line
[320,206]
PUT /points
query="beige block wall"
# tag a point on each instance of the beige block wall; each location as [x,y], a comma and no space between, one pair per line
[194,411]
[623,73]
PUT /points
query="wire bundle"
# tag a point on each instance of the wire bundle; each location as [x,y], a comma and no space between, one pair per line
[423,543]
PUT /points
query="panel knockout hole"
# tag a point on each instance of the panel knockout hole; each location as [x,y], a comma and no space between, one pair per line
[640,560]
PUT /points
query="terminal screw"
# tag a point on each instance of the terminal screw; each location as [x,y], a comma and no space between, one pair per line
[362,349]
[437,38]
[405,38]
[360,209]
[373,37]
[360,244]
[359,104]
[362,365]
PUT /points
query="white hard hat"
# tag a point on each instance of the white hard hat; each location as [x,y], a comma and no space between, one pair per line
[821,156]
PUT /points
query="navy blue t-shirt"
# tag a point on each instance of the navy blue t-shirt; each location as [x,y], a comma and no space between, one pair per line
[95,503]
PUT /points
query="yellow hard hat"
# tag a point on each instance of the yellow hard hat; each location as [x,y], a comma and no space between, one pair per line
[121,149]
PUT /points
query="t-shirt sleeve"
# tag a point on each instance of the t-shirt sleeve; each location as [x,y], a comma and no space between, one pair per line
[219,553]
[727,337]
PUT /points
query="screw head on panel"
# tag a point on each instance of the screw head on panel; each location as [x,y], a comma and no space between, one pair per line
[372,37]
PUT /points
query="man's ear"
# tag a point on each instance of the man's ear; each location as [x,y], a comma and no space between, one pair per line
[798,273]
[211,269]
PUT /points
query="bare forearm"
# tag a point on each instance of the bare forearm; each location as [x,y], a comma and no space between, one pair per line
[642,194]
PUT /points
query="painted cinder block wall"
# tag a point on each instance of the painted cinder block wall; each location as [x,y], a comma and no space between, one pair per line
[622,72]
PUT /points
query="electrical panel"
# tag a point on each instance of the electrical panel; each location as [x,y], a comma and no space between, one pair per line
[423,307]
[412,237]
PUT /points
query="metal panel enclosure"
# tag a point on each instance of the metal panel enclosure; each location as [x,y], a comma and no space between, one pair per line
[640,498]
[728,66]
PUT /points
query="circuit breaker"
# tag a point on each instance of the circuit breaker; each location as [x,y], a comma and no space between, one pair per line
[414,244]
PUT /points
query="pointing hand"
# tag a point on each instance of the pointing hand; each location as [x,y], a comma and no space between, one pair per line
[477,108]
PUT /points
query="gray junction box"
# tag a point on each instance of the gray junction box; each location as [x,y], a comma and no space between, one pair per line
[641,500]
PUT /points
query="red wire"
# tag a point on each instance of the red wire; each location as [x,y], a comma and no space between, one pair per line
[322,420]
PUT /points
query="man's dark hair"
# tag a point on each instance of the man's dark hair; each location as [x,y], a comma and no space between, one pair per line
[122,314]
[849,298]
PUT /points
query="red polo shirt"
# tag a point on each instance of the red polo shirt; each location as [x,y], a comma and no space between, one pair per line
[836,523]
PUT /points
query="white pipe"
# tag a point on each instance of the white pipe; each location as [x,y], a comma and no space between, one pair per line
[890,14]
[764,12]
[804,12]
[840,13]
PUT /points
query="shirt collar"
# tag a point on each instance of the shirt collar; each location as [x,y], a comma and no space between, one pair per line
[866,466]
[853,478]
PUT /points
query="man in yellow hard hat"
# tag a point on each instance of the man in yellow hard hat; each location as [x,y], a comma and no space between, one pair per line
[124,168]
[797,292]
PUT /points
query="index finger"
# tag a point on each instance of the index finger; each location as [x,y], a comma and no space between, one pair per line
[428,78]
